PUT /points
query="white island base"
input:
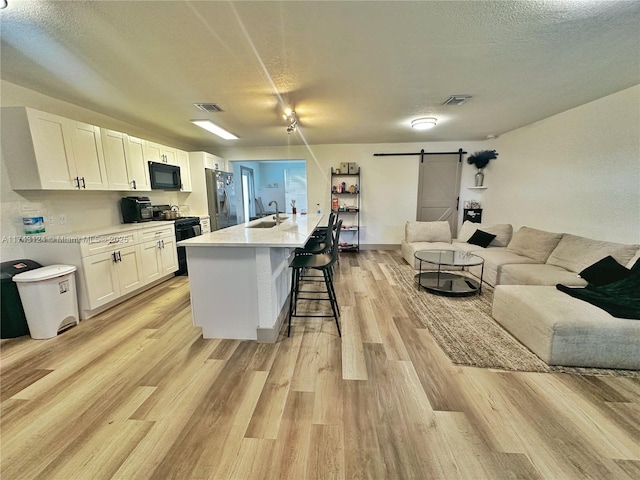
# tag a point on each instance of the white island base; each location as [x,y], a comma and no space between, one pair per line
[246,299]
[239,278]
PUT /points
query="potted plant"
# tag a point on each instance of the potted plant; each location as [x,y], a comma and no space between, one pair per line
[481,160]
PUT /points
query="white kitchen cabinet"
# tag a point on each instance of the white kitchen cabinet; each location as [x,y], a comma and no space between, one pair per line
[182,158]
[137,166]
[110,275]
[43,151]
[156,152]
[159,252]
[124,160]
[111,265]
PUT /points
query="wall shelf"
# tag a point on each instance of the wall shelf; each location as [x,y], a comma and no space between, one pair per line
[351,211]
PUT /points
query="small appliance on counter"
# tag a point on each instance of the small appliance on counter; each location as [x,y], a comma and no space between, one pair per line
[136,209]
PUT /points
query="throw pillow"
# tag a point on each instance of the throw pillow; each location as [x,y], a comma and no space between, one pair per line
[605,271]
[535,244]
[438,231]
[481,238]
[502,231]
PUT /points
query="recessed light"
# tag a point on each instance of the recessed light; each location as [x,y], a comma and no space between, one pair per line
[424,123]
[215,129]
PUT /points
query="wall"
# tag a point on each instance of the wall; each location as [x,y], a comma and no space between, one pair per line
[576,172]
[83,210]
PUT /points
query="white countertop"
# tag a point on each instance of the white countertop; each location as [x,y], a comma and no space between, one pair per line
[292,232]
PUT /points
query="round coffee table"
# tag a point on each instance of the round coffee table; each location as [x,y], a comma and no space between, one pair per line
[448,283]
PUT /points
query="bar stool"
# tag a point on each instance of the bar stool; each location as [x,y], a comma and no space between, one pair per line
[322,262]
[321,243]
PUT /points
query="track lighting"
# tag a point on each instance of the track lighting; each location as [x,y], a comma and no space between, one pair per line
[290,117]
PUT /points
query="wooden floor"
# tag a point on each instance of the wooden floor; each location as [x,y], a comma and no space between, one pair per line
[136,393]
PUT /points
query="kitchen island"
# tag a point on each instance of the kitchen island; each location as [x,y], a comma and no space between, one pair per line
[239,277]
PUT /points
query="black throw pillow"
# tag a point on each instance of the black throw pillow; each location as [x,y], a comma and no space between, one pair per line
[605,271]
[481,238]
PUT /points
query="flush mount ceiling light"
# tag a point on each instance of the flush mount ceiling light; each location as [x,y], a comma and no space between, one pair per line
[215,129]
[424,123]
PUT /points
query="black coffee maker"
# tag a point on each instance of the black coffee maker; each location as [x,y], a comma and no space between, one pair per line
[136,209]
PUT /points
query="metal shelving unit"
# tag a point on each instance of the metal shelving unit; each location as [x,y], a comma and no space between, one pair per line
[347,205]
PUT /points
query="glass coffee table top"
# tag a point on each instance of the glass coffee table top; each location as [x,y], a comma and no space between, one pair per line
[445,282]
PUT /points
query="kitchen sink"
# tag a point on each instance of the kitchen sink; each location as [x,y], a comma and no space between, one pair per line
[263,225]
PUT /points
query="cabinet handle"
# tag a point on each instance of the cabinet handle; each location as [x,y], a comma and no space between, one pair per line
[158,244]
[118,256]
[77,180]
[133,184]
[162,243]
[83,184]
[115,258]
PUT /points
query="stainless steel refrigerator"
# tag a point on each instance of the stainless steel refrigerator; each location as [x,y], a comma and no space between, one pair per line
[221,198]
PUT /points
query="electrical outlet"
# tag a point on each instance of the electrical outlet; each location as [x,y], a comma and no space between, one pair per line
[51,220]
[62,218]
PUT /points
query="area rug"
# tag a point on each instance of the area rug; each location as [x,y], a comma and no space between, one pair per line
[466,332]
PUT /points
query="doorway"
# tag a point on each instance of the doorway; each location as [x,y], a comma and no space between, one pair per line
[248,193]
[439,188]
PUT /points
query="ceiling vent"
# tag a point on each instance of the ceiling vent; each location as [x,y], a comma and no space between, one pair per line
[457,100]
[209,107]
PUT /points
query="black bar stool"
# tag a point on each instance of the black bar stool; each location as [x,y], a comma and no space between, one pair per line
[322,262]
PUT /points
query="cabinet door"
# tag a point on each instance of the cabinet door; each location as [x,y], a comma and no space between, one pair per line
[89,159]
[185,170]
[129,267]
[153,152]
[151,261]
[170,155]
[115,159]
[53,147]
[137,166]
[169,255]
[101,277]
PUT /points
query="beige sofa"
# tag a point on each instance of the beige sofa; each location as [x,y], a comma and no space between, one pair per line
[525,267]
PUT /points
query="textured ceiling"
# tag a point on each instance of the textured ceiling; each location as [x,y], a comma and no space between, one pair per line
[356,72]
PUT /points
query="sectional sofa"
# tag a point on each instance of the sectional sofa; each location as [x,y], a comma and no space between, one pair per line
[525,267]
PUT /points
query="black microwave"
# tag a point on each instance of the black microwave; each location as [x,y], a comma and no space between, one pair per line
[164,176]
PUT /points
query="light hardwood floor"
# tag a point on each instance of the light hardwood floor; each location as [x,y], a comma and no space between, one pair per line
[136,393]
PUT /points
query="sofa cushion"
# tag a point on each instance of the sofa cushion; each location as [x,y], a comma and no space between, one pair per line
[494,259]
[427,232]
[577,253]
[480,238]
[538,274]
[533,243]
[563,330]
[502,231]
[604,271]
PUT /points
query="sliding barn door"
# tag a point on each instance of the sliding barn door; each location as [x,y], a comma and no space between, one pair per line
[439,188]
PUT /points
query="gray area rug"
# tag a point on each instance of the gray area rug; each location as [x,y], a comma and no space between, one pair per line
[466,332]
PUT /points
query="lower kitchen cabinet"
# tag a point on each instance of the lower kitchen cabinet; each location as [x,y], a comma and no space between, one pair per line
[112,265]
[113,274]
[159,255]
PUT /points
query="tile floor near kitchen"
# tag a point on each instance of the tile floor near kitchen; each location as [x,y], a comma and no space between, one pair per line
[137,393]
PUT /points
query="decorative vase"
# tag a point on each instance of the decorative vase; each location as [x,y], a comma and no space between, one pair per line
[479,178]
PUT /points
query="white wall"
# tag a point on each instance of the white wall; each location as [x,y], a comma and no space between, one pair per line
[576,172]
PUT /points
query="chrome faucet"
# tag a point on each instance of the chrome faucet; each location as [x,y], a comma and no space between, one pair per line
[276,217]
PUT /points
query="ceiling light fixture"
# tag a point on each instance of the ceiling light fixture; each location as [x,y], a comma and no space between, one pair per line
[215,129]
[290,117]
[424,123]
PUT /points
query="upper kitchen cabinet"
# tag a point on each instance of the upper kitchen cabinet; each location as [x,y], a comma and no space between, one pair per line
[185,170]
[124,159]
[156,152]
[43,151]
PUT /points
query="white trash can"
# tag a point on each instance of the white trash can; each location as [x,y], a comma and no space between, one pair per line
[49,299]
